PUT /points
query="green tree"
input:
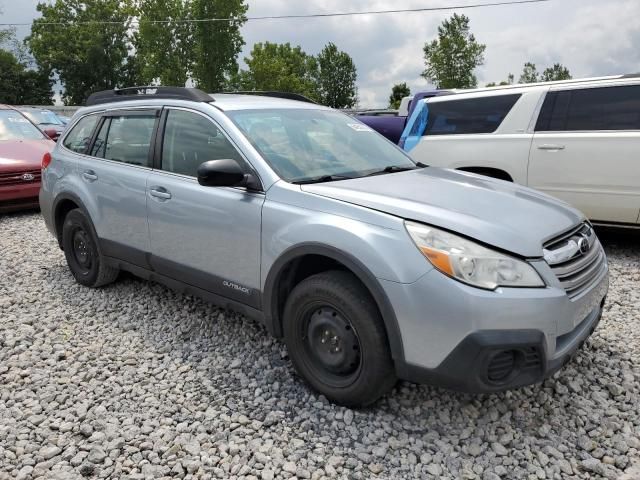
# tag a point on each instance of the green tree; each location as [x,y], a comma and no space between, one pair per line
[87,56]
[281,67]
[20,85]
[216,44]
[451,59]
[164,51]
[336,78]
[398,92]
[508,81]
[529,74]
[557,72]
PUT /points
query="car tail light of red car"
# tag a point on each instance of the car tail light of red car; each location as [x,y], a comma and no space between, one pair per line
[46,160]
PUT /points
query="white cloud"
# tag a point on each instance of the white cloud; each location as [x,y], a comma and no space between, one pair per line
[590,37]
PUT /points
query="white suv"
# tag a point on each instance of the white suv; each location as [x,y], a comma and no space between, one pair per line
[576,140]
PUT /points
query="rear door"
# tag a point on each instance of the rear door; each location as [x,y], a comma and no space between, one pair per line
[208,237]
[586,150]
[115,175]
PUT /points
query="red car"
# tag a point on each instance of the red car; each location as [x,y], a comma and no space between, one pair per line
[22,148]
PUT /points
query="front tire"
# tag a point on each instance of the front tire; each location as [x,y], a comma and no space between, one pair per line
[82,251]
[336,339]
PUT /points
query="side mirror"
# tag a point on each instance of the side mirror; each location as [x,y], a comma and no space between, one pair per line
[226,173]
[52,133]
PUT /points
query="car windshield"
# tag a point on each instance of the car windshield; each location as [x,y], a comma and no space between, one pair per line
[318,145]
[13,126]
[43,117]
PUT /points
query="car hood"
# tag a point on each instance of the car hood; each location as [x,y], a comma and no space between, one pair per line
[19,155]
[498,213]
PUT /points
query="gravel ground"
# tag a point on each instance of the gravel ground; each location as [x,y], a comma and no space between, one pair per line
[135,381]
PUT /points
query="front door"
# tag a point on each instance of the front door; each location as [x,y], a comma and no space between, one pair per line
[585,151]
[208,237]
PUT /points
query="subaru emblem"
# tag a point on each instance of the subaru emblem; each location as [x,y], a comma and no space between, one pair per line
[583,244]
[27,177]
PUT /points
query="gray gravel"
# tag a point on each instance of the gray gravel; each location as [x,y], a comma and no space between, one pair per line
[135,381]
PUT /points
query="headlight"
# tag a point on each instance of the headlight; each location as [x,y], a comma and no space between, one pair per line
[469,262]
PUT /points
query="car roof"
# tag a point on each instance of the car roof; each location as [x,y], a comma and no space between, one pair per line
[154,96]
[633,79]
[233,101]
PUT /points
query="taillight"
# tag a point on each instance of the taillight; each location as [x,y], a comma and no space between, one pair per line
[46,160]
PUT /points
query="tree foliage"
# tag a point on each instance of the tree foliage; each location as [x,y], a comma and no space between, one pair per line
[557,72]
[398,92]
[336,77]
[87,56]
[20,85]
[451,59]
[216,45]
[164,51]
[529,73]
[508,81]
[281,67]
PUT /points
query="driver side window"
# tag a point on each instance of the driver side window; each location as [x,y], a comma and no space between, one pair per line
[191,139]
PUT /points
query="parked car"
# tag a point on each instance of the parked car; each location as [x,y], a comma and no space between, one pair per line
[46,120]
[391,123]
[576,140]
[22,148]
[371,267]
[63,119]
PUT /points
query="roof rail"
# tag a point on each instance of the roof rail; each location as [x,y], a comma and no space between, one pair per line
[286,95]
[631,75]
[151,92]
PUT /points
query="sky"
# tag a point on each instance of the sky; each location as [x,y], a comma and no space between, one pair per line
[590,37]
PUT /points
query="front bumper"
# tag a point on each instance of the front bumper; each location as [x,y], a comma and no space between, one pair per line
[496,360]
[452,333]
[19,197]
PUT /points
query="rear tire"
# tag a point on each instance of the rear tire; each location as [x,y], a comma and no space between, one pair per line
[336,339]
[82,251]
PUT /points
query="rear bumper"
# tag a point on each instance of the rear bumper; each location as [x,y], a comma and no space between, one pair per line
[496,360]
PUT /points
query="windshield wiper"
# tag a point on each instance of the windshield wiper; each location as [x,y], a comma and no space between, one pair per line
[322,179]
[391,169]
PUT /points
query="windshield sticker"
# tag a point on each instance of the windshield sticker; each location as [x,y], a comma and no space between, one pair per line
[360,127]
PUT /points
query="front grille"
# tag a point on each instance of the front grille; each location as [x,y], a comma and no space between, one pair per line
[576,258]
[16,178]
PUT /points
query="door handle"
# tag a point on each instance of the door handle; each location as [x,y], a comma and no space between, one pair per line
[549,146]
[90,175]
[160,193]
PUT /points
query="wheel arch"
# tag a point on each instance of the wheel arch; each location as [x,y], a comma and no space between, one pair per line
[283,268]
[62,205]
[492,172]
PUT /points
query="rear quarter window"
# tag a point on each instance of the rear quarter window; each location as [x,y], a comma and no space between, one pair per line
[589,109]
[474,115]
[80,135]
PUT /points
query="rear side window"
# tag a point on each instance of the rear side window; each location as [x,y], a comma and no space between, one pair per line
[603,108]
[80,136]
[476,115]
[125,139]
[191,139]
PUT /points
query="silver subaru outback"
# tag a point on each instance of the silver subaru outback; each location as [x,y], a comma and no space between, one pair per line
[371,267]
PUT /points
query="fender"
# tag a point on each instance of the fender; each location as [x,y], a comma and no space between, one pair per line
[270,300]
[56,205]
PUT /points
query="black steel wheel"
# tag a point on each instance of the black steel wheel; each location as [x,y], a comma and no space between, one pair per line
[336,339]
[82,251]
